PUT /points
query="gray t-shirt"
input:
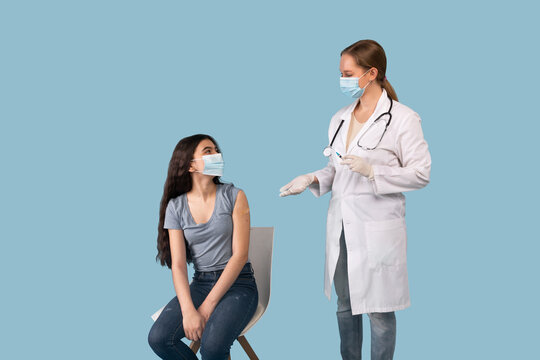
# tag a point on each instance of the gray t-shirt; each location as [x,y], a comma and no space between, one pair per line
[210,243]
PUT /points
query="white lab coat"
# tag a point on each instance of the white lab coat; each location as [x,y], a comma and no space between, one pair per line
[372,212]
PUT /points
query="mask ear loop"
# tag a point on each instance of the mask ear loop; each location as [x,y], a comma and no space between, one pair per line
[197,170]
[365,87]
[362,77]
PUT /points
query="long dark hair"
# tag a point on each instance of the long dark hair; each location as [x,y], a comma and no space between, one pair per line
[178,182]
[368,54]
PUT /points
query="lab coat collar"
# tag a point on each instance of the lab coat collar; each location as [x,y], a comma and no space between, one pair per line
[382,105]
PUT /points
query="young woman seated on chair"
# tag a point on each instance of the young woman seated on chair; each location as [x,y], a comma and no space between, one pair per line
[205,222]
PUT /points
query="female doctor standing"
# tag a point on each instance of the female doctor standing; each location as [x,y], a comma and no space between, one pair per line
[376,151]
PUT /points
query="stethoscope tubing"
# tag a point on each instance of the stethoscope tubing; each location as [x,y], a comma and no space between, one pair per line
[358,142]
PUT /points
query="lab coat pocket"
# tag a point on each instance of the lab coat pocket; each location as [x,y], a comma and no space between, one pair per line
[386,243]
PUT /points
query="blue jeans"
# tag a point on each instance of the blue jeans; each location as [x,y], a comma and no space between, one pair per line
[383,325]
[227,321]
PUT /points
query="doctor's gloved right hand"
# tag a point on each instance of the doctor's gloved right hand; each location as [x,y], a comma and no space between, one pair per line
[297,185]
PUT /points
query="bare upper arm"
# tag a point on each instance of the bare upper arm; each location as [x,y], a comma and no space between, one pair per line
[241,225]
[178,247]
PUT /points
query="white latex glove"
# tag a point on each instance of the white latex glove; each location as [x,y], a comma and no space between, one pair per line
[358,164]
[297,185]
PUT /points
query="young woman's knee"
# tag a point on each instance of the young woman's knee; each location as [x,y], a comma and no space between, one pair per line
[157,339]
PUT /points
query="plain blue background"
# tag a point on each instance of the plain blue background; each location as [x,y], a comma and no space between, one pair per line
[96,94]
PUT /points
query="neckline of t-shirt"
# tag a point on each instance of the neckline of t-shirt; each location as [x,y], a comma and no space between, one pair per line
[353,125]
[213,212]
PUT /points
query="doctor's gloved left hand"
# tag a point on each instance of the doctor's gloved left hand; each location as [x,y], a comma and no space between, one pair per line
[358,164]
[297,185]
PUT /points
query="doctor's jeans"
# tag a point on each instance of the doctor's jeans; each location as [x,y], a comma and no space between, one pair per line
[383,325]
[227,321]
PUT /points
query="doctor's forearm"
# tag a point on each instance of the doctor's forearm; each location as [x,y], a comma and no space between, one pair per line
[390,179]
[322,180]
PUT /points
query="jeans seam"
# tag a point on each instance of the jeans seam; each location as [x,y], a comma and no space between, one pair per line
[174,333]
[252,300]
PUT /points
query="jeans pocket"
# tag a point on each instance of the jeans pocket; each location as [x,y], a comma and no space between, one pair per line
[386,243]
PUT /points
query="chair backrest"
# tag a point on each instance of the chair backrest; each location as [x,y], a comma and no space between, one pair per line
[261,244]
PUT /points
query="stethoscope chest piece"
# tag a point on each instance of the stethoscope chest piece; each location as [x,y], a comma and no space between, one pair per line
[327,151]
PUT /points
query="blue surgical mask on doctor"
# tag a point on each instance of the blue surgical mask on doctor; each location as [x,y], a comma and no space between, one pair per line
[349,86]
[213,164]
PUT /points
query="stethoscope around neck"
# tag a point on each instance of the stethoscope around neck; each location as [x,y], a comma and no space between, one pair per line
[328,150]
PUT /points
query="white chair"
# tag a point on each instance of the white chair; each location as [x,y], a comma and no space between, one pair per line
[261,241]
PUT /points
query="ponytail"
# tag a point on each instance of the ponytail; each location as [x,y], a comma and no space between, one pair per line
[389,89]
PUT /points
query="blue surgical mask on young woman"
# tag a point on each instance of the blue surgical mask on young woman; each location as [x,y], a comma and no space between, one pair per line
[213,164]
[349,86]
